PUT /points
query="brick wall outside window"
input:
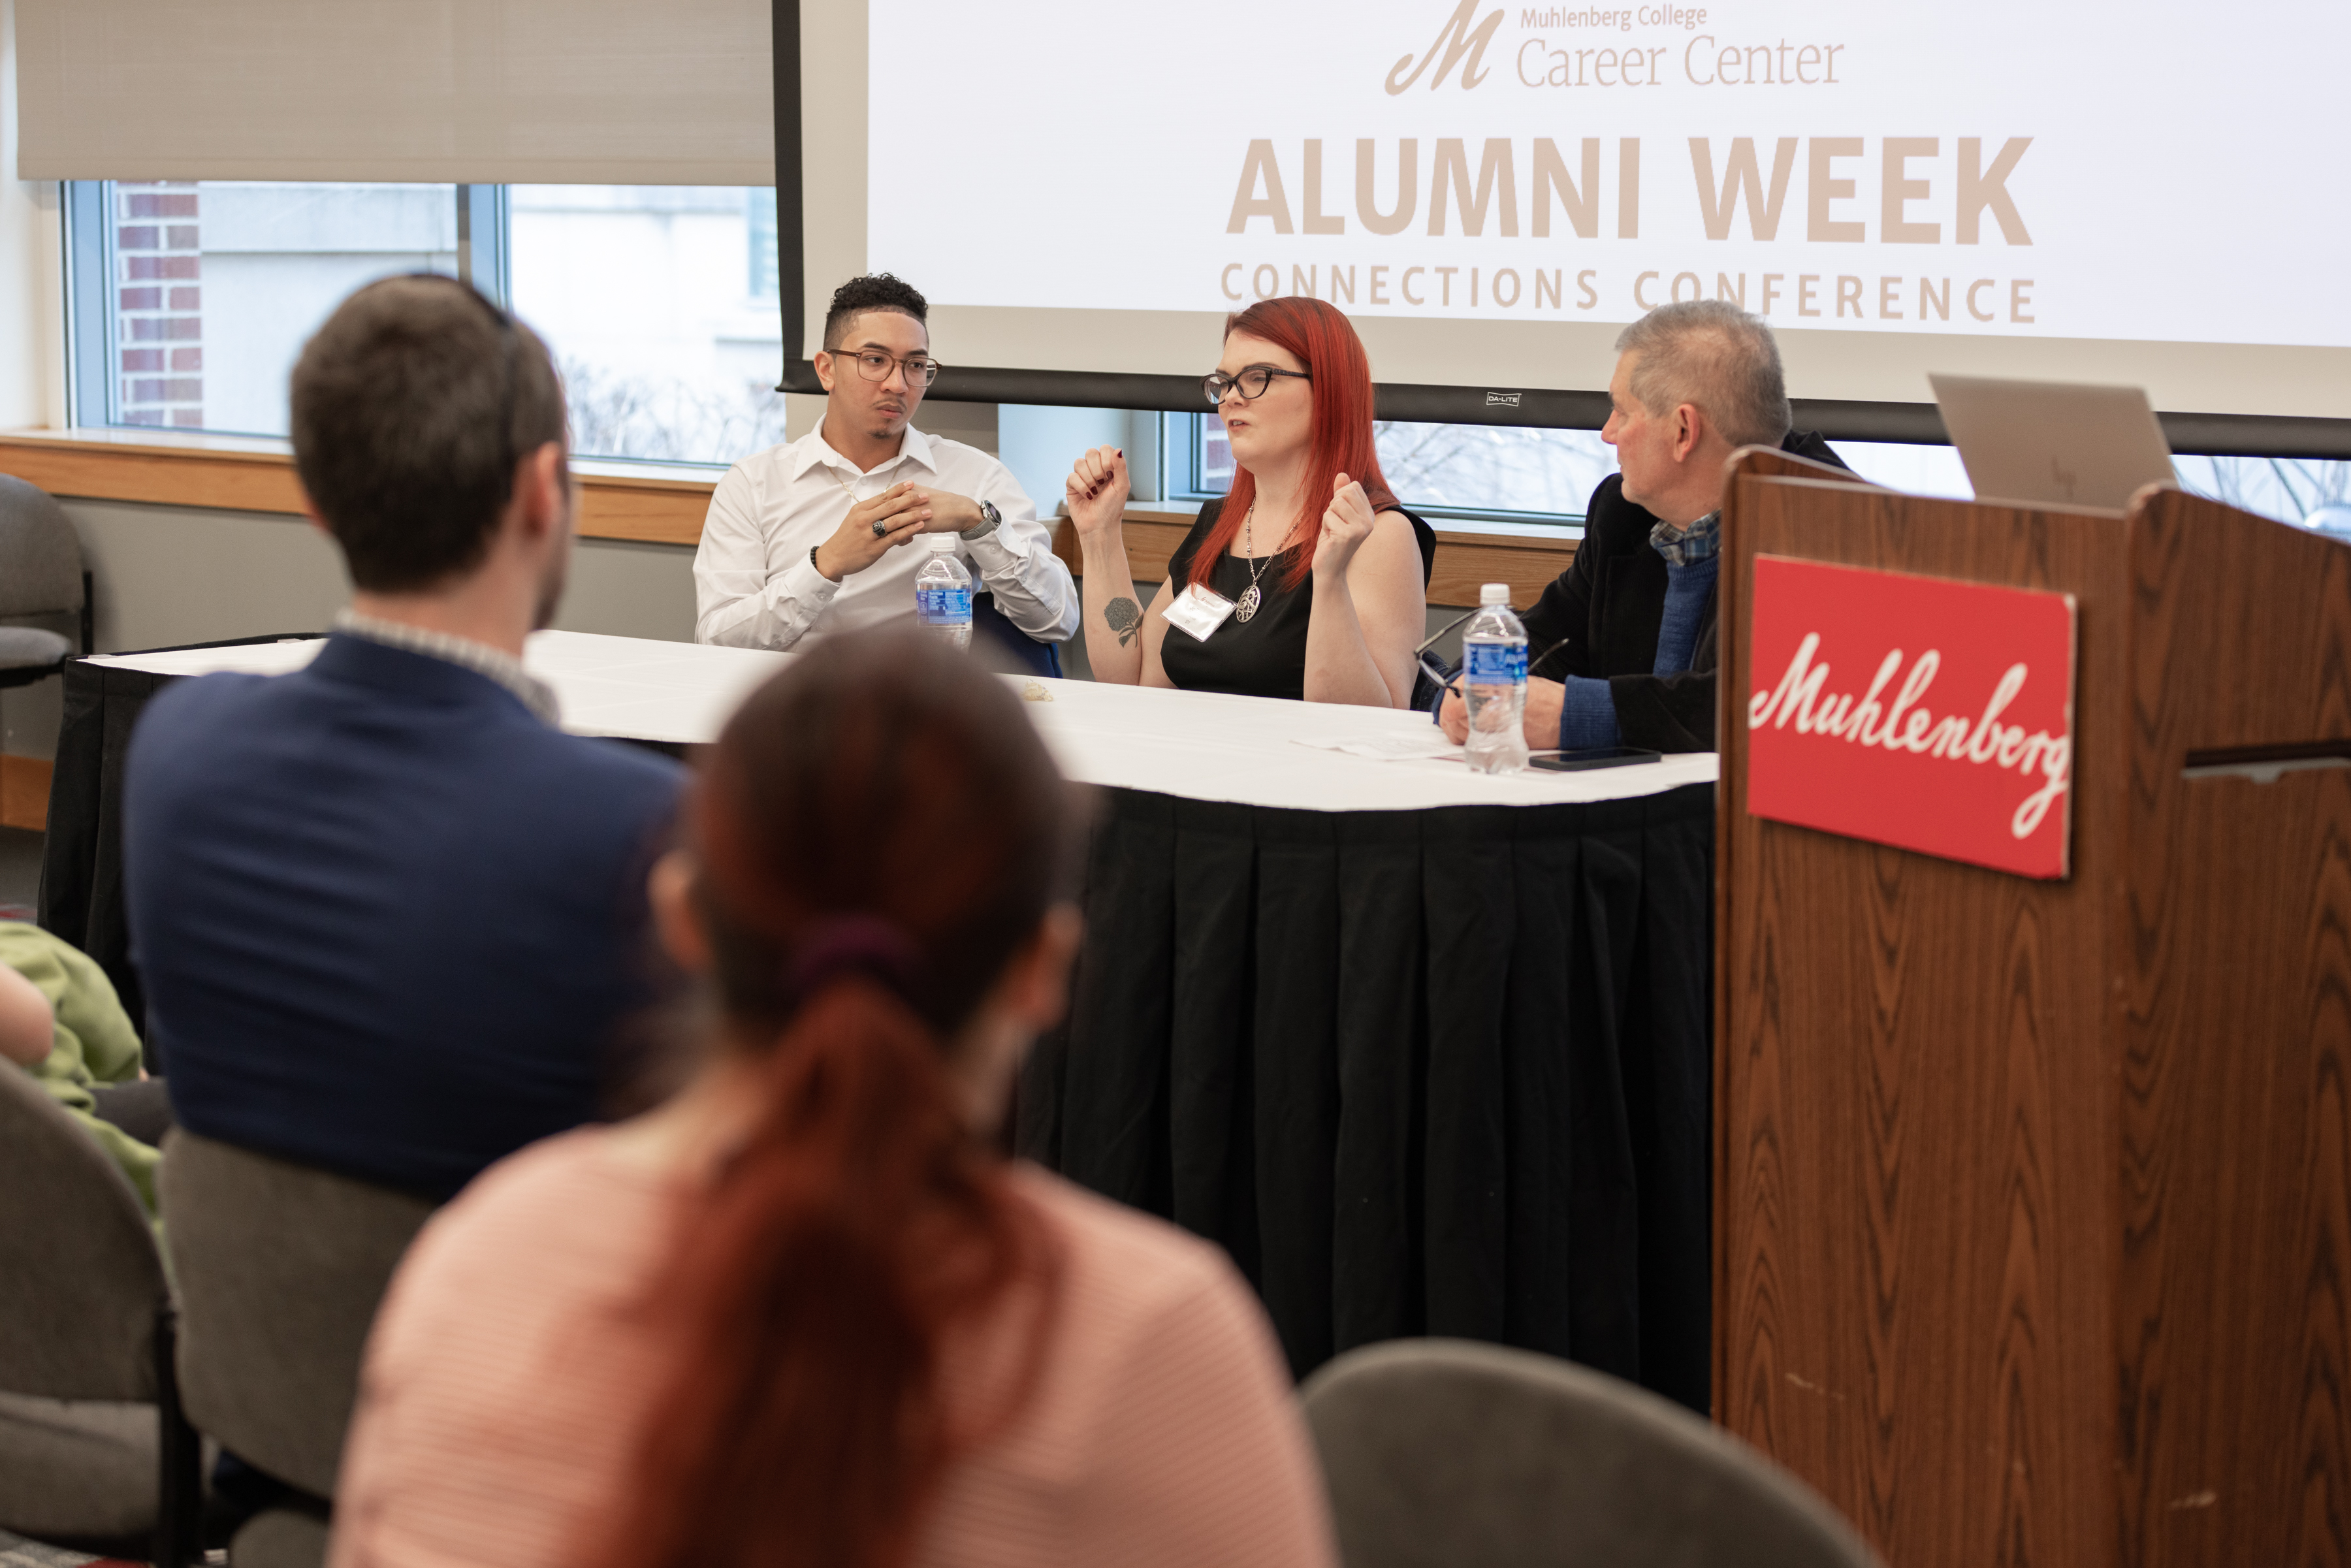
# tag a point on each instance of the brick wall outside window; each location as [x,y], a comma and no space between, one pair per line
[159,305]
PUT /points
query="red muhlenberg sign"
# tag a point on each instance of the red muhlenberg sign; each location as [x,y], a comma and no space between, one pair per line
[1914,711]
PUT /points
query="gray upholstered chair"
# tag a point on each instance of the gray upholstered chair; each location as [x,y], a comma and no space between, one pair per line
[279,1268]
[40,576]
[1471,1456]
[93,1450]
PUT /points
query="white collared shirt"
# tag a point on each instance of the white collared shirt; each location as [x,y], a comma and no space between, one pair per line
[755,587]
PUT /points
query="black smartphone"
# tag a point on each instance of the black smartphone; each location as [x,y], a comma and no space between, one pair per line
[1598,757]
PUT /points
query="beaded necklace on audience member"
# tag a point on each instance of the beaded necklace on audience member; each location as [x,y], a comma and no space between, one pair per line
[1246,605]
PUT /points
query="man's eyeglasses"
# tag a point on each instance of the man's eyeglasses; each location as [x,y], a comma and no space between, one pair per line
[1250,383]
[875,366]
[1434,667]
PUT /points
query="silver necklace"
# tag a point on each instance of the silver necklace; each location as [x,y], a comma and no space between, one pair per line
[1246,606]
[880,528]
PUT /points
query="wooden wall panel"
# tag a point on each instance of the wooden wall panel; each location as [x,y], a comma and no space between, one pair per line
[611,507]
[650,511]
[112,471]
[1150,539]
[1467,561]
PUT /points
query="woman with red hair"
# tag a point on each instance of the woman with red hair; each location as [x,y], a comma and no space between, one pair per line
[1307,580]
[804,1315]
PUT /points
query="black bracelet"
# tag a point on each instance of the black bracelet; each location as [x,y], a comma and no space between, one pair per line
[818,570]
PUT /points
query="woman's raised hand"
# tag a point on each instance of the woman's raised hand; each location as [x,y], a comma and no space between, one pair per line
[1346,524]
[1097,490]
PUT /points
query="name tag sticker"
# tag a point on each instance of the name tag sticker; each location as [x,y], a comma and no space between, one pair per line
[1199,612]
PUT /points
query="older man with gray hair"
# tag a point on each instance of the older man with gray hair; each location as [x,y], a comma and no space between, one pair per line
[1623,644]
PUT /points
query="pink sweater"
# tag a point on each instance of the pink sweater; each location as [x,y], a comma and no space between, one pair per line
[505,1381]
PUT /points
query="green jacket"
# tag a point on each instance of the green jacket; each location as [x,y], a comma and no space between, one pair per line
[95,1041]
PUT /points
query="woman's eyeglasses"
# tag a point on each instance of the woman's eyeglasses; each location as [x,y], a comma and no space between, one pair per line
[1250,383]
[874,366]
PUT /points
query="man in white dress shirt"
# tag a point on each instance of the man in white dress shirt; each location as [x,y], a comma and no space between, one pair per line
[810,537]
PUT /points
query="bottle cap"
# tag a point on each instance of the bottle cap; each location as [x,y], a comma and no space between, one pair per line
[940,543]
[1494,593]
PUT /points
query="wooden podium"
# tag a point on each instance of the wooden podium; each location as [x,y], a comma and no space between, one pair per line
[2033,1199]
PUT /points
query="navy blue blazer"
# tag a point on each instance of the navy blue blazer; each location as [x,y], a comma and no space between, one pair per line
[387,920]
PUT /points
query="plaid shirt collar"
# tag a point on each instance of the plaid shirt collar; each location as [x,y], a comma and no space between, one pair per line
[1682,546]
[479,658]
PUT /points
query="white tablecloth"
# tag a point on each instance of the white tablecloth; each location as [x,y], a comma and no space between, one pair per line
[1193,744]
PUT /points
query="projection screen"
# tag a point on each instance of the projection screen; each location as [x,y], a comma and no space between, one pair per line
[2101,191]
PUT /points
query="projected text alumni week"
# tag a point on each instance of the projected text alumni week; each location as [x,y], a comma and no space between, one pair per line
[1738,185]
[1909,171]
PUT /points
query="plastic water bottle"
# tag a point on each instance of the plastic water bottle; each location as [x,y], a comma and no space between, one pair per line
[1494,677]
[943,597]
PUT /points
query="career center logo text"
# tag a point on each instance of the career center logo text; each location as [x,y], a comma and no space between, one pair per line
[1458,52]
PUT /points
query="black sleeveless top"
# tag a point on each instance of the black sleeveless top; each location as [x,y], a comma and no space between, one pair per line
[1264,656]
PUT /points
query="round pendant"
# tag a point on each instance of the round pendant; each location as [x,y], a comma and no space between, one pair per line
[1246,605]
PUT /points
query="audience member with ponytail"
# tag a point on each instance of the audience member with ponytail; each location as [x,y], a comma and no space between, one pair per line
[803,1314]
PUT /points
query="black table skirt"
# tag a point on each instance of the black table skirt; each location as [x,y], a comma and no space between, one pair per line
[1439,1071]
[1420,1073]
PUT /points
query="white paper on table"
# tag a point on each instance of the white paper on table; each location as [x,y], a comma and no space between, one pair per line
[1386,747]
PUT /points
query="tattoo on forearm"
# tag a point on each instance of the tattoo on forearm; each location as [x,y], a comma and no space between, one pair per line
[1121,616]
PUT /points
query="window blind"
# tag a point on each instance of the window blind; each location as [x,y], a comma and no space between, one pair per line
[481,91]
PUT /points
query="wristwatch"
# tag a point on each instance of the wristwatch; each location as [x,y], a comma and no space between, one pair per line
[990,519]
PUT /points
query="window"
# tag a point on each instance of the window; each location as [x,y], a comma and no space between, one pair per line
[2307,492]
[192,300]
[1913,470]
[660,303]
[1516,475]
[1504,473]
[2313,492]
[766,276]
[1497,473]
